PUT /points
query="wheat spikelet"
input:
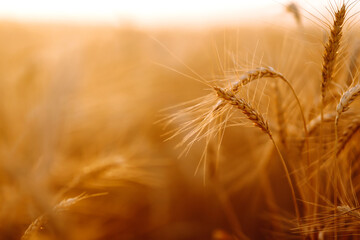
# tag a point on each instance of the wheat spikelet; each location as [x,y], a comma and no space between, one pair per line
[332,48]
[347,98]
[245,107]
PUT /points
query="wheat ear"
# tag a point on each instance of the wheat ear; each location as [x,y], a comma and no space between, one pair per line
[330,54]
[258,73]
[344,104]
[331,49]
[259,121]
[265,72]
[268,72]
[247,77]
[346,99]
[245,107]
[294,9]
[60,207]
[329,61]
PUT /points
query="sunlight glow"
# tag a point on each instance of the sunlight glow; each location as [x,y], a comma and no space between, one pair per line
[155,12]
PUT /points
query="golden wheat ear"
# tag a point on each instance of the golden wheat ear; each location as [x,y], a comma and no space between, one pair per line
[331,49]
[268,72]
[64,205]
[346,99]
[344,104]
[260,73]
[245,107]
[331,53]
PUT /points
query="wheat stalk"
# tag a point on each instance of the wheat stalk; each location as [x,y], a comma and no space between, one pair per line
[328,66]
[280,116]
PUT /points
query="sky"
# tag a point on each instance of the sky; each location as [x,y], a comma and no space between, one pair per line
[145,12]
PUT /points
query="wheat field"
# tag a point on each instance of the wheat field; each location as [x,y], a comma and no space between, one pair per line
[223,133]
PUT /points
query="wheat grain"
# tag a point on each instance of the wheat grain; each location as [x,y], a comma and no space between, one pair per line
[347,98]
[245,107]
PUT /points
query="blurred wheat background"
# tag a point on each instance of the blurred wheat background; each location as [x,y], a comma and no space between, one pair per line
[99,124]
